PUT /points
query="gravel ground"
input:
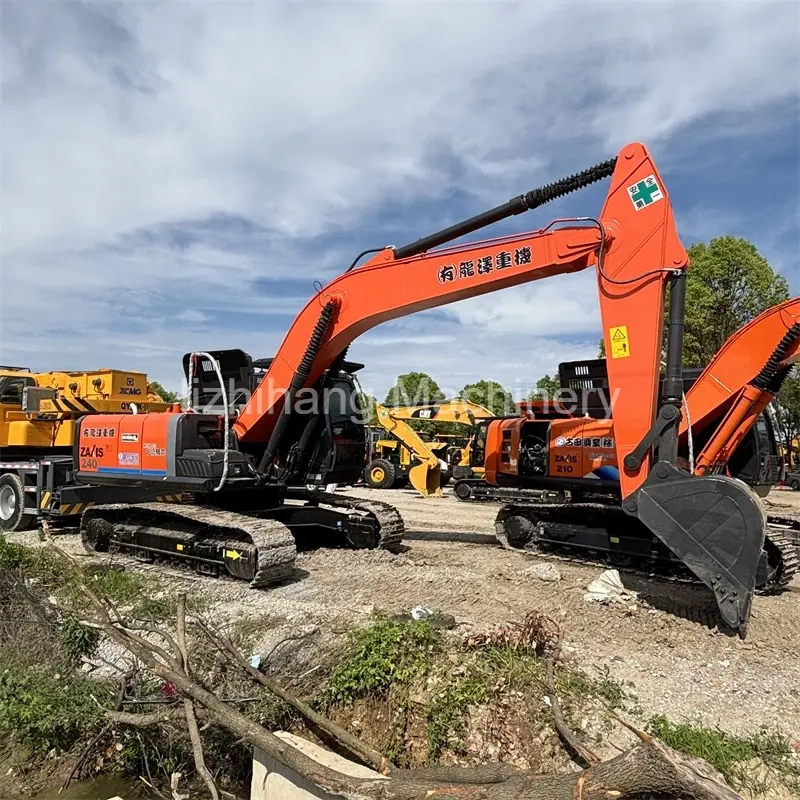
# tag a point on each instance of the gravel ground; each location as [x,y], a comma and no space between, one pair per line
[667,649]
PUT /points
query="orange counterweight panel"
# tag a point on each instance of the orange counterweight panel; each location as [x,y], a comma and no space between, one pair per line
[128,445]
[502,448]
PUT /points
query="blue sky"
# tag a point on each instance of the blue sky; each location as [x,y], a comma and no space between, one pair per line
[176,176]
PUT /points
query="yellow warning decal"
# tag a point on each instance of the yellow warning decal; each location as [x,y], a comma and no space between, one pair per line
[233,554]
[179,546]
[620,348]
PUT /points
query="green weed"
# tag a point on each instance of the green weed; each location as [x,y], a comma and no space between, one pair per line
[385,655]
[77,640]
[44,710]
[446,714]
[730,754]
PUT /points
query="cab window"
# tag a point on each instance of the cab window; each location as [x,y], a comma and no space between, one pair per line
[11,387]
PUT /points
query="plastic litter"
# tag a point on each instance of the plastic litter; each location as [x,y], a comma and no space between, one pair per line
[608,588]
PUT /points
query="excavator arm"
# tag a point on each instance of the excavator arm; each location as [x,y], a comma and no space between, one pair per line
[740,382]
[633,245]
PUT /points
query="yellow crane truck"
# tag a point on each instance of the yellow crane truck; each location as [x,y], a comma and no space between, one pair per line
[39,452]
[405,456]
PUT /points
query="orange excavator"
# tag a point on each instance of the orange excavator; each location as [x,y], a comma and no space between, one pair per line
[240,472]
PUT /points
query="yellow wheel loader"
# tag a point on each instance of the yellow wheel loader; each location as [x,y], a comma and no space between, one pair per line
[406,456]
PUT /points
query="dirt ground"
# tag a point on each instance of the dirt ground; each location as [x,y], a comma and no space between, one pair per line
[667,651]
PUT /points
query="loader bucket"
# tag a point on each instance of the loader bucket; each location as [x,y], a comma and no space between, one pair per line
[716,526]
[426,479]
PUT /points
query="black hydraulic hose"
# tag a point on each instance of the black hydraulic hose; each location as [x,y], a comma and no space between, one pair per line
[769,372]
[517,205]
[776,384]
[313,425]
[362,254]
[298,381]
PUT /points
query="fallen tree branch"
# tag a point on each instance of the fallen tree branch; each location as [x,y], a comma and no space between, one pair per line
[188,706]
[344,738]
[146,720]
[564,732]
[645,768]
[79,762]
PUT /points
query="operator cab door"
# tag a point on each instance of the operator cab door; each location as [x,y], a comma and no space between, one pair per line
[340,453]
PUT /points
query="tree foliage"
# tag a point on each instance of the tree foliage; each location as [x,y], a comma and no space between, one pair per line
[491,395]
[167,396]
[546,388]
[367,404]
[787,406]
[729,283]
[414,388]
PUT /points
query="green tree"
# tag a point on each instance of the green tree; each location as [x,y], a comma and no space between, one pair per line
[167,396]
[491,395]
[729,283]
[367,403]
[546,389]
[787,406]
[414,388]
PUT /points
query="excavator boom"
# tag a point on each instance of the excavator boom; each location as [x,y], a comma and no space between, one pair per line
[634,245]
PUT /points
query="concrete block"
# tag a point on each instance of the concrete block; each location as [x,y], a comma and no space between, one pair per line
[274,781]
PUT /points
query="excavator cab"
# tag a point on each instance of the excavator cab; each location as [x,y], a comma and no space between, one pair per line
[338,444]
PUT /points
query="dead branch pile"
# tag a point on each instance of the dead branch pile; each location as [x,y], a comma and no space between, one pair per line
[649,767]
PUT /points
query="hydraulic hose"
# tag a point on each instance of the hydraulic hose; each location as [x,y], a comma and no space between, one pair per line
[298,381]
[517,205]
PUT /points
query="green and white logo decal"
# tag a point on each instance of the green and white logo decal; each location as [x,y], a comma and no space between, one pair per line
[645,193]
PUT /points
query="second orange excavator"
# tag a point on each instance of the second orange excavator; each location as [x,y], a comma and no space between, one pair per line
[248,464]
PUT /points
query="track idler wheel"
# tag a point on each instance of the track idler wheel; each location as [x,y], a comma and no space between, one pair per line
[715,525]
[515,527]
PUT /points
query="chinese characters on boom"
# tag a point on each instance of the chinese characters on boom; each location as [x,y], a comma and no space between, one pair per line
[483,265]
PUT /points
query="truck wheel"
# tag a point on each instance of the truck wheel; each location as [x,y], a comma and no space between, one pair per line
[795,484]
[380,474]
[12,502]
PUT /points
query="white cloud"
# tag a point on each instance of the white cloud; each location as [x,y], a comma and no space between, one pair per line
[303,119]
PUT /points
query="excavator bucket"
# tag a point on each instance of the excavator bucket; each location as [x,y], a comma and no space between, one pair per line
[716,526]
[426,479]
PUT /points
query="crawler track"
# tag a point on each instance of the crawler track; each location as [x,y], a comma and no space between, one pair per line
[516,527]
[388,534]
[212,541]
[250,546]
